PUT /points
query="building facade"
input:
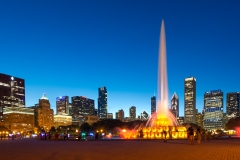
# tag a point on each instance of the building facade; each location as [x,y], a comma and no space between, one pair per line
[110,116]
[19,119]
[62,120]
[121,115]
[175,105]
[180,120]
[102,103]
[44,116]
[213,110]
[81,107]
[190,100]
[144,116]
[132,113]
[153,104]
[199,119]
[233,105]
[12,92]
[91,119]
[62,105]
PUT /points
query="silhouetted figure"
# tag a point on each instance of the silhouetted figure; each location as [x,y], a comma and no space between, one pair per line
[165,135]
[49,136]
[79,137]
[199,136]
[191,135]
[56,136]
[141,134]
[96,136]
[45,136]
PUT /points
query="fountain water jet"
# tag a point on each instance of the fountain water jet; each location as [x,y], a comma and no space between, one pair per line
[162,120]
[163,116]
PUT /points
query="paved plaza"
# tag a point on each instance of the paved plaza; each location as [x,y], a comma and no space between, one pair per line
[34,149]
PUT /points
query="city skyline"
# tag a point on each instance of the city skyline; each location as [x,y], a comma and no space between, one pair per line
[115,44]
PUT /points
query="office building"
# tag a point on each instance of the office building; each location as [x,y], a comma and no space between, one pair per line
[233,105]
[132,113]
[62,105]
[102,103]
[91,119]
[81,107]
[199,119]
[62,120]
[44,114]
[116,115]
[213,110]
[121,115]
[70,108]
[19,119]
[12,92]
[153,104]
[175,105]
[144,116]
[110,116]
[190,100]
[180,120]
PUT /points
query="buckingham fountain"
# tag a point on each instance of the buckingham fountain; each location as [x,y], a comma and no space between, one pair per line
[162,120]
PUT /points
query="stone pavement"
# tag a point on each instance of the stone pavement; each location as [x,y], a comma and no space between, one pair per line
[33,149]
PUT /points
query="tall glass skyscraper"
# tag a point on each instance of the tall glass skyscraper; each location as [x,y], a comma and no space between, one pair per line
[102,103]
[190,100]
[175,105]
[12,92]
[82,106]
[153,104]
[213,110]
[132,113]
[233,104]
[62,105]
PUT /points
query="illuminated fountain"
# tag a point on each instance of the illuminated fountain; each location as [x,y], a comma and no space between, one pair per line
[163,119]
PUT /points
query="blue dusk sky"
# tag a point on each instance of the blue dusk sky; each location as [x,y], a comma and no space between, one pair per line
[74,47]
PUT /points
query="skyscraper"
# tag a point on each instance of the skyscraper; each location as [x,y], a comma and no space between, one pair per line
[110,116]
[83,106]
[190,100]
[44,114]
[102,103]
[144,115]
[175,105]
[62,105]
[12,92]
[153,104]
[233,104]
[132,113]
[121,115]
[213,110]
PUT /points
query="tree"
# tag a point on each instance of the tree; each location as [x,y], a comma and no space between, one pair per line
[233,123]
[85,127]
[52,130]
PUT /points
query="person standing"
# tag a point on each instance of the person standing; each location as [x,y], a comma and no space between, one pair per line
[141,134]
[191,135]
[199,136]
[188,135]
[165,135]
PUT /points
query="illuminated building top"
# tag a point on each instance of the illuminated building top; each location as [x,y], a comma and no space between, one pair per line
[44,96]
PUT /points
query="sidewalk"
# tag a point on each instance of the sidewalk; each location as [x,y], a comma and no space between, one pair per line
[226,149]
